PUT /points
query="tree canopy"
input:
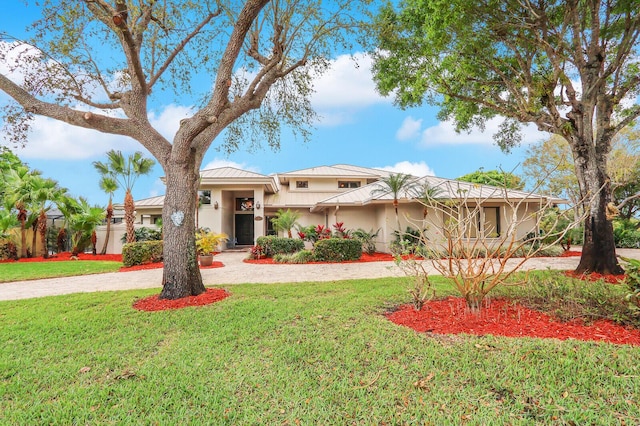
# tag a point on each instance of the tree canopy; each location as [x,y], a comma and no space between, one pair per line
[100,64]
[494,178]
[568,67]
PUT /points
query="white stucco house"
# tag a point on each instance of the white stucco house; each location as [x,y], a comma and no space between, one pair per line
[241,203]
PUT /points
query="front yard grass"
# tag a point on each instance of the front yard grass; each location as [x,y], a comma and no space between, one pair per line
[18,271]
[310,353]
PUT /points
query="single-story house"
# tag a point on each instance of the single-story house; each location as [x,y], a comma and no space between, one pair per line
[241,203]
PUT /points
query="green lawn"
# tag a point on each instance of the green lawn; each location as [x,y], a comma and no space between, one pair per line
[313,353]
[18,271]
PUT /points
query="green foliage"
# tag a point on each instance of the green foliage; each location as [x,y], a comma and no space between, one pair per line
[367,238]
[299,257]
[144,234]
[494,178]
[273,245]
[411,241]
[632,281]
[337,250]
[626,233]
[284,220]
[572,299]
[139,253]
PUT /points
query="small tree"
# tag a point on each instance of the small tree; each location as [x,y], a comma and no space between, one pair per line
[108,185]
[285,220]
[397,185]
[125,172]
[476,250]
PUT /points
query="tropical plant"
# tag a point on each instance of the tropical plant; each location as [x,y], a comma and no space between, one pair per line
[45,193]
[83,222]
[397,185]
[367,238]
[284,220]
[107,61]
[569,68]
[109,186]
[207,242]
[125,172]
[19,186]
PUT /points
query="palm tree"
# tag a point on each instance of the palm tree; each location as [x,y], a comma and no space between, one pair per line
[44,193]
[19,182]
[425,194]
[125,172]
[395,184]
[285,220]
[108,185]
[83,222]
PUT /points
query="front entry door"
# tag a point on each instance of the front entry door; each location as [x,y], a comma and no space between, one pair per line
[244,229]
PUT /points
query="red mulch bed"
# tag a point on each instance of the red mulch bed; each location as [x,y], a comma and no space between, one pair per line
[504,318]
[594,276]
[570,253]
[157,265]
[67,256]
[153,303]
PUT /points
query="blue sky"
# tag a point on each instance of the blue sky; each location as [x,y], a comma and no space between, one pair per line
[357,126]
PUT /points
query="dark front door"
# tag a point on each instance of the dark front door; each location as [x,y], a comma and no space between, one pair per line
[244,229]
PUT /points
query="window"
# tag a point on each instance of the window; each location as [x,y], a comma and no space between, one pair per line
[469,222]
[205,197]
[244,204]
[271,230]
[302,184]
[491,227]
[348,184]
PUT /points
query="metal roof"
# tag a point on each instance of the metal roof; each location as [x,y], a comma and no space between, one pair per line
[447,189]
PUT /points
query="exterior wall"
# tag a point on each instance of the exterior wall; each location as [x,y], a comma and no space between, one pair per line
[324,185]
[117,232]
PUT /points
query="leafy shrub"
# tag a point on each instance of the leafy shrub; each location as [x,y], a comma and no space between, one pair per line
[144,234]
[139,253]
[256,252]
[337,250]
[626,233]
[273,245]
[302,256]
[368,239]
[632,281]
[570,299]
[8,250]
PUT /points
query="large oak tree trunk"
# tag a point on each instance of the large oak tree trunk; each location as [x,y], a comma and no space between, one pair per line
[181,277]
[598,250]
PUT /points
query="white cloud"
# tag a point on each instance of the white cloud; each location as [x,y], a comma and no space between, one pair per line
[444,134]
[167,121]
[53,139]
[344,89]
[416,169]
[347,83]
[219,162]
[409,129]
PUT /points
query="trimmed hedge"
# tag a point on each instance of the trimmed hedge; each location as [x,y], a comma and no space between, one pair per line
[337,250]
[302,256]
[142,252]
[273,245]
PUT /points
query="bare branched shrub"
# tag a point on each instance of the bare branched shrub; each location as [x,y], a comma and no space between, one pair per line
[421,290]
[479,236]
